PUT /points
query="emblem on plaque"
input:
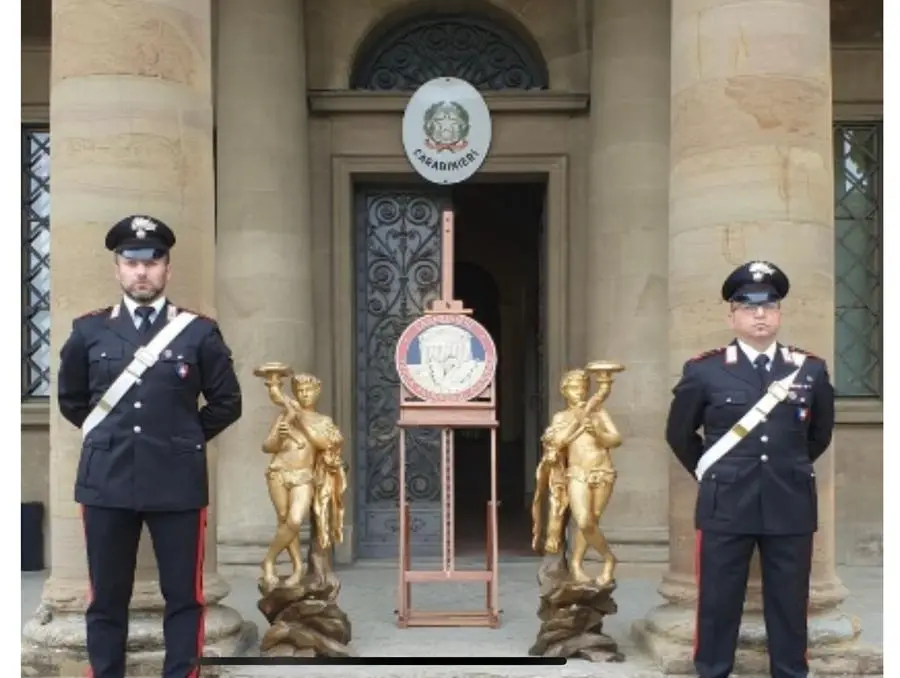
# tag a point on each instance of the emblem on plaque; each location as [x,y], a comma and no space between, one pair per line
[446,358]
[446,127]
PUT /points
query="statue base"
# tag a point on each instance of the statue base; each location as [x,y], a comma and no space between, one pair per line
[572,614]
[305,620]
[667,635]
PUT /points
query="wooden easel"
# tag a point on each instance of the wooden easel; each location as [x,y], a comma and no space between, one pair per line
[478,412]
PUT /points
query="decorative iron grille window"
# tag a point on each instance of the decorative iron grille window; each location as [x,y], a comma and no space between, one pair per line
[35,261]
[477,49]
[858,258]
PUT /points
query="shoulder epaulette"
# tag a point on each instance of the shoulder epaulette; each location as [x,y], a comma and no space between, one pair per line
[707,354]
[797,349]
[95,312]
[175,310]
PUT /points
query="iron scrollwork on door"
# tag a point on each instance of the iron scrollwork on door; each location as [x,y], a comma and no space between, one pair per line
[475,49]
[398,275]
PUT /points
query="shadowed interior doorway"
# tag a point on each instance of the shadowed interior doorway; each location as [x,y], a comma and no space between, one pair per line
[499,237]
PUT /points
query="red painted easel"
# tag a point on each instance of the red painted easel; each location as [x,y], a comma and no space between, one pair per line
[471,410]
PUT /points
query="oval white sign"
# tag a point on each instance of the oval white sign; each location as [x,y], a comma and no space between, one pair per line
[446,130]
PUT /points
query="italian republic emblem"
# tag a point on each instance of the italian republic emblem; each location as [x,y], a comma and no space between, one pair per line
[446,126]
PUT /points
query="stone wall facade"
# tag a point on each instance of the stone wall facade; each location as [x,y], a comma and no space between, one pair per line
[332,136]
[676,142]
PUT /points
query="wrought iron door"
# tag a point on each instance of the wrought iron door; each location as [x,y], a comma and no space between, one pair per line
[398,273]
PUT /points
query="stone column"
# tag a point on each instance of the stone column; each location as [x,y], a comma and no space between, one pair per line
[131,125]
[627,251]
[264,275]
[751,177]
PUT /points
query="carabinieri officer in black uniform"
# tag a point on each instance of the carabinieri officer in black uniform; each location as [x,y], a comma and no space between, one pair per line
[129,378]
[754,463]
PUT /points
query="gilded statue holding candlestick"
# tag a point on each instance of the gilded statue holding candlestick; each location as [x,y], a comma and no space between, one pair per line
[575,479]
[306,478]
[576,469]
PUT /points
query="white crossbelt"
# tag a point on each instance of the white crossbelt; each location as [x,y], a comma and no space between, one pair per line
[776,393]
[144,358]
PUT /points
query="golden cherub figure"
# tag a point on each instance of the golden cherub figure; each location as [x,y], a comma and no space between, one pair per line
[577,472]
[306,476]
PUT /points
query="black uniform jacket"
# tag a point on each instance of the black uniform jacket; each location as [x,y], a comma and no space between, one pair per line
[149,453]
[766,484]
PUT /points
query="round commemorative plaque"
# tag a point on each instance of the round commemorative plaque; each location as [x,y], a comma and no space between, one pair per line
[446,358]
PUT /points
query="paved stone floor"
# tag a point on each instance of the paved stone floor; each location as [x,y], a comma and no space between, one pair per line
[368,597]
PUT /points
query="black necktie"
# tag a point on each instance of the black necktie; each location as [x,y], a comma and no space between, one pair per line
[144,313]
[761,362]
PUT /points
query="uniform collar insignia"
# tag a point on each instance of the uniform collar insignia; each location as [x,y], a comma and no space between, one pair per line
[731,354]
[114,313]
[171,312]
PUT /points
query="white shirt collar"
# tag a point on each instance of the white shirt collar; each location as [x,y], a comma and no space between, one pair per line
[131,304]
[752,353]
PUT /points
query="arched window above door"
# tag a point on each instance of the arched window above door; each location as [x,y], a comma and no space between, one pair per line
[477,49]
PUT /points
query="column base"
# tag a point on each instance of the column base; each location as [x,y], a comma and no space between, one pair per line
[55,644]
[636,545]
[245,547]
[241,550]
[667,635]
[54,641]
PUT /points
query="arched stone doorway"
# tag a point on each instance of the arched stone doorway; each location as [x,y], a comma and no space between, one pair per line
[397,258]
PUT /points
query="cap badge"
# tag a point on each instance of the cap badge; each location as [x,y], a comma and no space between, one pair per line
[759,270]
[140,226]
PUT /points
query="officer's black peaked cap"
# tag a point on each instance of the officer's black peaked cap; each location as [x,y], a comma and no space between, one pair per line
[140,237]
[756,282]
